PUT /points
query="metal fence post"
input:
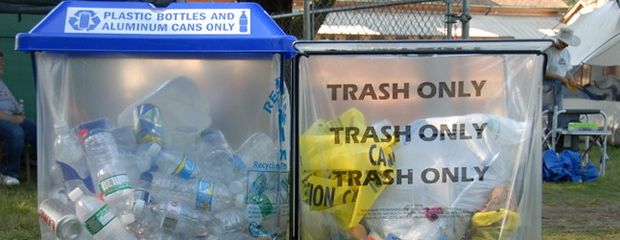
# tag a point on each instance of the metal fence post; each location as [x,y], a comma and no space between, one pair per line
[465,22]
[307,21]
[449,19]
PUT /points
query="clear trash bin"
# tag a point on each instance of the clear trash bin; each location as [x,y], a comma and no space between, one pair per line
[161,122]
[419,140]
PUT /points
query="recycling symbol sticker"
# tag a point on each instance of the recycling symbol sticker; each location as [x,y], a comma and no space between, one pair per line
[84,20]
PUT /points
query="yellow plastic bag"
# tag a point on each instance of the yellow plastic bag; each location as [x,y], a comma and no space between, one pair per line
[340,178]
[494,225]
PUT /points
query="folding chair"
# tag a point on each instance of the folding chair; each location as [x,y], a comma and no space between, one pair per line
[27,162]
[572,124]
[584,127]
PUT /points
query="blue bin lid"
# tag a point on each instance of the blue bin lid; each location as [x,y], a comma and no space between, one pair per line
[139,27]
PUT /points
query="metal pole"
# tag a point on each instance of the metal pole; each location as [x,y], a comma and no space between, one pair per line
[307,21]
[449,19]
[465,23]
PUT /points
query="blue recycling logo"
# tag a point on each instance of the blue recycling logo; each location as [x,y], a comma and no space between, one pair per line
[84,20]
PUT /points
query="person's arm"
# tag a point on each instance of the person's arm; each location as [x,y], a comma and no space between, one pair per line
[552,76]
[567,81]
[13,118]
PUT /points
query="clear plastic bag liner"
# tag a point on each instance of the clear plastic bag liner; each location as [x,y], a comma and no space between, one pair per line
[419,146]
[241,97]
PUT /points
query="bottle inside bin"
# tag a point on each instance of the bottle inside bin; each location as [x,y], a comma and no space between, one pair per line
[70,159]
[98,218]
[219,157]
[60,218]
[179,217]
[176,164]
[149,134]
[258,148]
[108,168]
[205,194]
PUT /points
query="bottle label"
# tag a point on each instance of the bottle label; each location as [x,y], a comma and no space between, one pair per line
[171,220]
[204,194]
[99,220]
[169,223]
[114,184]
[185,168]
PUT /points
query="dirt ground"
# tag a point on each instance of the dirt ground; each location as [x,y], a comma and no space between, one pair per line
[599,220]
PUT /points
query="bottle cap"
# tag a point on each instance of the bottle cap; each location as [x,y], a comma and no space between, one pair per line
[147,177]
[154,149]
[75,194]
[127,218]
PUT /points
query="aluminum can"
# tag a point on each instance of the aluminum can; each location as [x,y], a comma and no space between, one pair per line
[59,218]
[148,127]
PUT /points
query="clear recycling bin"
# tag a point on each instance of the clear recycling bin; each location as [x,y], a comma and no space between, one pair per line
[418,140]
[161,123]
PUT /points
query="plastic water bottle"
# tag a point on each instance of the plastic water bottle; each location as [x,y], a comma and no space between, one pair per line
[258,148]
[229,221]
[98,217]
[230,236]
[141,209]
[149,135]
[105,164]
[219,157]
[161,234]
[145,153]
[176,216]
[125,139]
[176,164]
[258,231]
[20,106]
[70,158]
[205,194]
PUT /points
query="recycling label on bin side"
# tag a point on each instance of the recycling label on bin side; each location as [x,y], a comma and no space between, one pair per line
[148,21]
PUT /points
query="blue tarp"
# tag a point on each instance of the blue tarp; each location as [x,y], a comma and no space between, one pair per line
[566,167]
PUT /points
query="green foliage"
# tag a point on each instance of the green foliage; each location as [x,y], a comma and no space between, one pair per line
[570,3]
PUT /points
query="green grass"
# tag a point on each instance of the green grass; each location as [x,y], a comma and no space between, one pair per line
[570,210]
[18,212]
[584,210]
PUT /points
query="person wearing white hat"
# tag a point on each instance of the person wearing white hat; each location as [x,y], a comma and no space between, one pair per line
[558,64]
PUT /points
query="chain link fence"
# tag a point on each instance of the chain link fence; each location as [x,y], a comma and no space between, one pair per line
[375,19]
